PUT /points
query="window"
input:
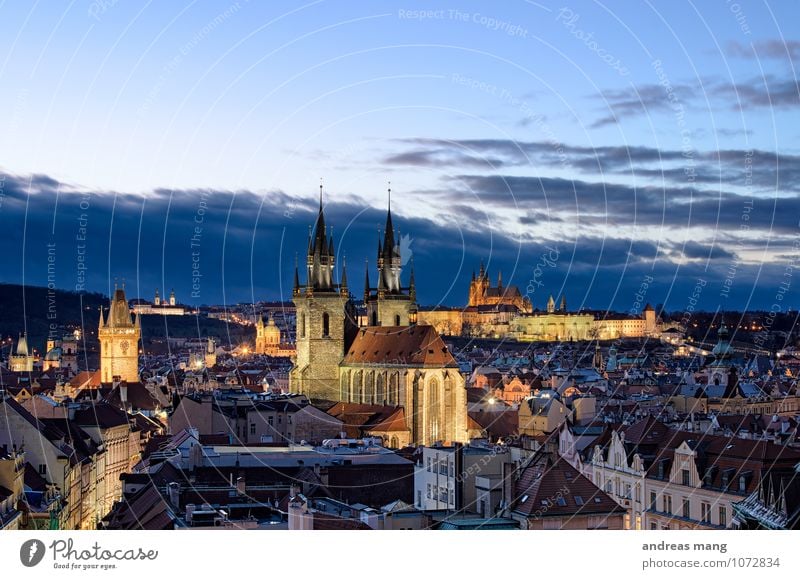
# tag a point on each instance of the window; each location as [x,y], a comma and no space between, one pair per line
[429,470]
[667,504]
[419,499]
[579,500]
[561,502]
[453,498]
[723,516]
[289,419]
[627,491]
[301,325]
[687,510]
[742,484]
[279,418]
[397,320]
[252,428]
[652,501]
[270,420]
[42,469]
[685,477]
[326,325]
[452,469]
[653,526]
[443,494]
[429,490]
[705,512]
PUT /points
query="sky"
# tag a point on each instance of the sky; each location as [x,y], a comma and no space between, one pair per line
[615,153]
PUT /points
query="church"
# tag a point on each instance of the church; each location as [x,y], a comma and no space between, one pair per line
[482,293]
[391,361]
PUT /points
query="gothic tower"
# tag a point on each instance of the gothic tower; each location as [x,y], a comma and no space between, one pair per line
[324,318]
[479,286]
[22,361]
[210,358]
[119,341]
[391,304]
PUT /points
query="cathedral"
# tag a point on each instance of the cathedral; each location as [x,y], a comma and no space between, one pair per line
[119,341]
[481,293]
[391,361]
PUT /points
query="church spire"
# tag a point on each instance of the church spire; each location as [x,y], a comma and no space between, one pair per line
[343,286]
[388,234]
[320,254]
[296,287]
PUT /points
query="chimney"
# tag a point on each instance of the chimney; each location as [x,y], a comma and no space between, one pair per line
[174,493]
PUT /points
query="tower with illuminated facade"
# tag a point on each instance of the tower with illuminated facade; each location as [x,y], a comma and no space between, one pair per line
[325,317]
[22,360]
[119,341]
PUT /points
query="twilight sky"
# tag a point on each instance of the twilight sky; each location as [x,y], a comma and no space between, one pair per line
[620,153]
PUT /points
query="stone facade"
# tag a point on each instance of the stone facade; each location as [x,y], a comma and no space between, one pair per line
[119,342]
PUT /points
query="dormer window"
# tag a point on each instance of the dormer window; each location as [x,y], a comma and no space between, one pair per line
[742,483]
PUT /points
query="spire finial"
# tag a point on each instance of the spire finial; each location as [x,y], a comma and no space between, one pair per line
[390,195]
[320,193]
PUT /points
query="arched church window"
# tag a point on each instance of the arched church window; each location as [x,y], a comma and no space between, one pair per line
[397,319]
[301,324]
[380,388]
[326,325]
[358,391]
[369,388]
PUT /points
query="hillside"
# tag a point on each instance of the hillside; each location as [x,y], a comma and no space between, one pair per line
[37,310]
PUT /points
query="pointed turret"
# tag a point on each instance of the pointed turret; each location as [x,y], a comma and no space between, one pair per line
[296,287]
[499,280]
[22,345]
[388,232]
[343,286]
[320,261]
[563,306]
[102,318]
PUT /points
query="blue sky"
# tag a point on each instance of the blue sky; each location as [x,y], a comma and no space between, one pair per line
[638,137]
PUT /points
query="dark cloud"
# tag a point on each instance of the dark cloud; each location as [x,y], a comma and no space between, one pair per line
[248,240]
[773,48]
[613,204]
[767,91]
[742,168]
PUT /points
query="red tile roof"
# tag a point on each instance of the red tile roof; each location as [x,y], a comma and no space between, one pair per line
[399,345]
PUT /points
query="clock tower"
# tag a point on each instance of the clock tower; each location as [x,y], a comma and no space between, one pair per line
[119,341]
